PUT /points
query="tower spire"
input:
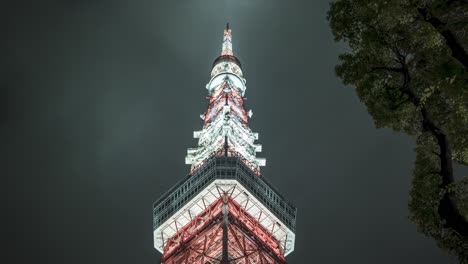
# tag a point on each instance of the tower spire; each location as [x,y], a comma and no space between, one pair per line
[227,42]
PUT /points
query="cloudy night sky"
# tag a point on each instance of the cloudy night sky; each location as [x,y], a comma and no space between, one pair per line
[100,100]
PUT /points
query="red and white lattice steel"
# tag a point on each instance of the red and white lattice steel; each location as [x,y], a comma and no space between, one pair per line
[224,222]
[226,120]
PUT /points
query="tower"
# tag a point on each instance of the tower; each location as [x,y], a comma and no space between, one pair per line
[224,211]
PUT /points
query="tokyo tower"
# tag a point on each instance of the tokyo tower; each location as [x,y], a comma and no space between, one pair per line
[224,211]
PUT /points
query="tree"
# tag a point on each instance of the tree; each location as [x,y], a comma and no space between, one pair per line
[408,63]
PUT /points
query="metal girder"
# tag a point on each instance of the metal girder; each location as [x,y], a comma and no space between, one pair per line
[201,241]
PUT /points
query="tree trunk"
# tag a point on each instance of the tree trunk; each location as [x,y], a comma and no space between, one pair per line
[447,208]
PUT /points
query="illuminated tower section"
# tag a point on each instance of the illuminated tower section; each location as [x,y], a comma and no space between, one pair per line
[224,211]
[226,124]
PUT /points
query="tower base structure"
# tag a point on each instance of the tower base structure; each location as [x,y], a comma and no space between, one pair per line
[224,233]
[224,213]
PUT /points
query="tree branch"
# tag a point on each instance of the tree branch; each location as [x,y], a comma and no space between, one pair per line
[383,68]
[396,106]
[458,52]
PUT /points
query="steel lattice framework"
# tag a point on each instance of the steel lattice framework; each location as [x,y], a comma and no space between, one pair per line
[224,211]
[226,120]
[224,226]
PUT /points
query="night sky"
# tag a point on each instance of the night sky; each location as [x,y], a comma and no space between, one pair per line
[100,100]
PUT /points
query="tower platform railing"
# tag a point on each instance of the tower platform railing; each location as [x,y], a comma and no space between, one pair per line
[231,168]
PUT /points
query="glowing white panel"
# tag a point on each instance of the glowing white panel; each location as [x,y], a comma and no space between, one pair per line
[235,81]
[261,161]
[258,148]
[196,134]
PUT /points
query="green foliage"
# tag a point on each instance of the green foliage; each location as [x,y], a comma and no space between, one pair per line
[405,73]
[426,194]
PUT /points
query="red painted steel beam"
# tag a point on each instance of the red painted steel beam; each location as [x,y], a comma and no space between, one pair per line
[201,239]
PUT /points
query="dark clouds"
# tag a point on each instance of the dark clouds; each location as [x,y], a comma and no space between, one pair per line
[101,100]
